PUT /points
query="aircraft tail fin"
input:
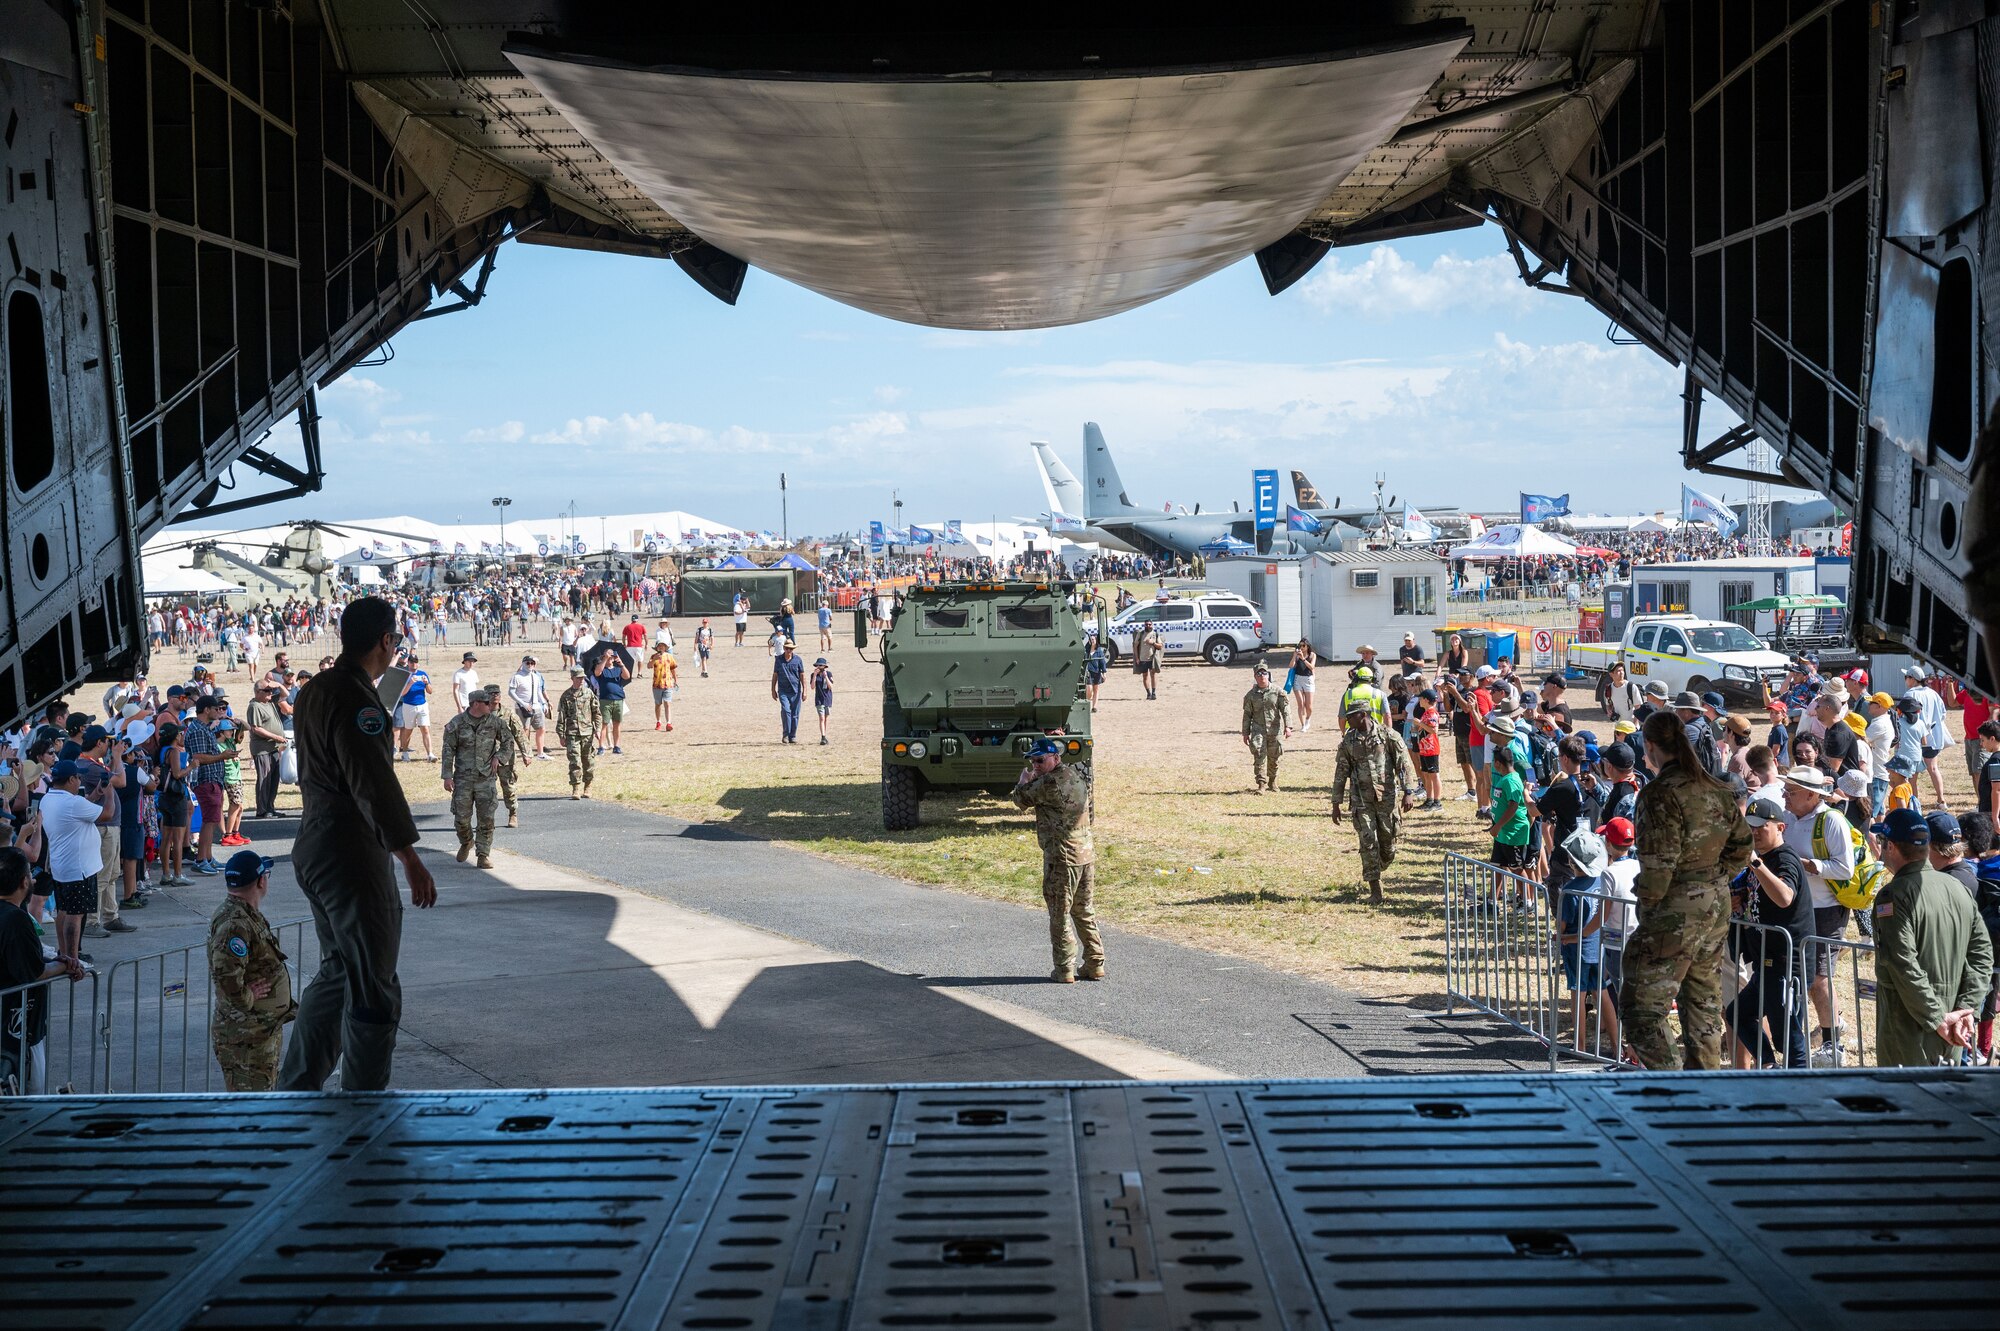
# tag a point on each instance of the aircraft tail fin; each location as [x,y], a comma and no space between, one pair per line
[1106,493]
[1060,486]
[1306,492]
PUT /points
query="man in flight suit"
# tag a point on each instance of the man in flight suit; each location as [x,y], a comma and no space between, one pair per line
[247,973]
[469,766]
[354,821]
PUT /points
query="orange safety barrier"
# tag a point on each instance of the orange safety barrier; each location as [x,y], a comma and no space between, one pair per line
[847,598]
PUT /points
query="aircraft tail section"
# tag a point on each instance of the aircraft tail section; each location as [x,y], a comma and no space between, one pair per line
[1106,493]
[1063,490]
[1306,492]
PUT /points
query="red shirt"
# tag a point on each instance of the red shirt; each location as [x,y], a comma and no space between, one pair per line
[1978,711]
[1482,703]
[635,635]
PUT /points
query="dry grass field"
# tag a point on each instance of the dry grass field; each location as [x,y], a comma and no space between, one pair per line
[1186,850]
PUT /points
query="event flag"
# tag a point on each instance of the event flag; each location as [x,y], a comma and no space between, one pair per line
[1699,507]
[983,540]
[955,529]
[922,535]
[1417,527]
[1534,508]
[1297,519]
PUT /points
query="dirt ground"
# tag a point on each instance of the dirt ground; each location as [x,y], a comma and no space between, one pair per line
[1186,850]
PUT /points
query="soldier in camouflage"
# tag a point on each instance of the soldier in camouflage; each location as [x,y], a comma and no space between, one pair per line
[247,974]
[1266,726]
[1060,796]
[1692,841]
[1374,765]
[469,765]
[516,748]
[577,719]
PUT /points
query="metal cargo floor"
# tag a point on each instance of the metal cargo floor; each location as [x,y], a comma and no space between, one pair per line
[1757,1201]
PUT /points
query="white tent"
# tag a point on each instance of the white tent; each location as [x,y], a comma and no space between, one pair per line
[1513,541]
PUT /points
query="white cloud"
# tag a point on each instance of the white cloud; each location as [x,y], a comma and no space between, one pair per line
[1385,285]
[506,432]
[361,389]
[889,394]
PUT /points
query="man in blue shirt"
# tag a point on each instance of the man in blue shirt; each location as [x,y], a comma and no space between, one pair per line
[413,710]
[788,686]
[610,677]
[825,627]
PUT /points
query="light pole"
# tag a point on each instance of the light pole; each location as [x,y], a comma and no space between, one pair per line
[501,503]
[896,522]
[784,511]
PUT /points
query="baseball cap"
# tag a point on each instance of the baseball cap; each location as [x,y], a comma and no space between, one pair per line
[1619,756]
[1623,726]
[93,736]
[527,660]
[1619,832]
[1882,700]
[1736,725]
[1484,672]
[1656,688]
[1913,671]
[244,868]
[1263,670]
[576,670]
[176,691]
[1763,810]
[1358,705]
[1044,747]
[1715,700]
[65,769]
[1905,827]
[1944,827]
[1555,682]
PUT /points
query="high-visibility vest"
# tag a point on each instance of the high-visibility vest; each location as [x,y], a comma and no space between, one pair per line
[1378,701]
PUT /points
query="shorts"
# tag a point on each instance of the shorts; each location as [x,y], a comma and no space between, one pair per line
[823,708]
[1828,922]
[79,898]
[1141,667]
[1516,858]
[1584,976]
[208,799]
[1930,753]
[412,715]
[529,717]
[662,696]
[614,712]
[233,790]
[131,843]
[173,811]
[1475,753]
[701,651]
[1428,763]
[1302,683]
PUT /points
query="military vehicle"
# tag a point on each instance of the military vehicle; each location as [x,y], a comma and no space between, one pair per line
[971,673]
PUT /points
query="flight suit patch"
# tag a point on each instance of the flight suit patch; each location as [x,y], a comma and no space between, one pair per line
[370,721]
[238,948]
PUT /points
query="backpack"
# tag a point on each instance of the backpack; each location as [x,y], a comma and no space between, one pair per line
[1542,756]
[1705,752]
[1856,892]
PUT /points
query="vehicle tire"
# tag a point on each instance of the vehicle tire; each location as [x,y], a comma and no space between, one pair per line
[900,798]
[1698,684]
[1219,650]
[1110,652]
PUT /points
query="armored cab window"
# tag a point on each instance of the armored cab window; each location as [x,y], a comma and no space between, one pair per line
[945,619]
[1026,618]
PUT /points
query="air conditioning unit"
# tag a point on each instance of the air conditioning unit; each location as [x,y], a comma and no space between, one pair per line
[1367,578]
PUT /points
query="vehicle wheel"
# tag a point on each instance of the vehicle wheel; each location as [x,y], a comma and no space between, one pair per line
[1697,684]
[900,798]
[1110,653]
[1219,650]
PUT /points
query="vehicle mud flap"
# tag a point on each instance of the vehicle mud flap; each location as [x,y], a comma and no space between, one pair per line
[901,797]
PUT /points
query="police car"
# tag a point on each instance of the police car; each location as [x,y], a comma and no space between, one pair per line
[1216,626]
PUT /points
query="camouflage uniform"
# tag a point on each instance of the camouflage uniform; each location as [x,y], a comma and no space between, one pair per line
[1692,841]
[577,719]
[1061,801]
[1265,717]
[470,759]
[247,1031]
[1374,762]
[515,747]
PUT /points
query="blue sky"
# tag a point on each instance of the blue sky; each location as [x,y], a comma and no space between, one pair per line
[617,383]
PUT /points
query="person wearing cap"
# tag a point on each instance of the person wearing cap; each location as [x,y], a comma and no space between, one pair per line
[1700,737]
[1363,691]
[1409,656]
[1692,841]
[1933,956]
[1619,696]
[666,673]
[1653,698]
[464,681]
[514,753]
[608,679]
[70,825]
[1365,660]
[268,741]
[633,634]
[1455,689]
[413,709]
[1372,772]
[1931,732]
[1947,851]
[578,715]
[1427,741]
[1771,892]
[1266,726]
[788,687]
[1841,748]
[823,696]
[354,820]
[469,764]
[1059,793]
[1147,649]
[1880,737]
[248,976]
[529,694]
[1822,839]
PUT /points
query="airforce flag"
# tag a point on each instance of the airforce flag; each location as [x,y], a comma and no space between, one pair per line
[1699,507]
[1417,527]
[1534,508]
[1297,519]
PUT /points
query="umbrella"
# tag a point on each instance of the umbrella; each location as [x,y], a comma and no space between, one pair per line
[1817,602]
[595,653]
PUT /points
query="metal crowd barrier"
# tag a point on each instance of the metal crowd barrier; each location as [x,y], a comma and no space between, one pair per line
[1551,963]
[153,1029]
[64,1061]
[1850,995]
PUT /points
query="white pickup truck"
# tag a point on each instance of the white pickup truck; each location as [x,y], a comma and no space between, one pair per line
[1687,653]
